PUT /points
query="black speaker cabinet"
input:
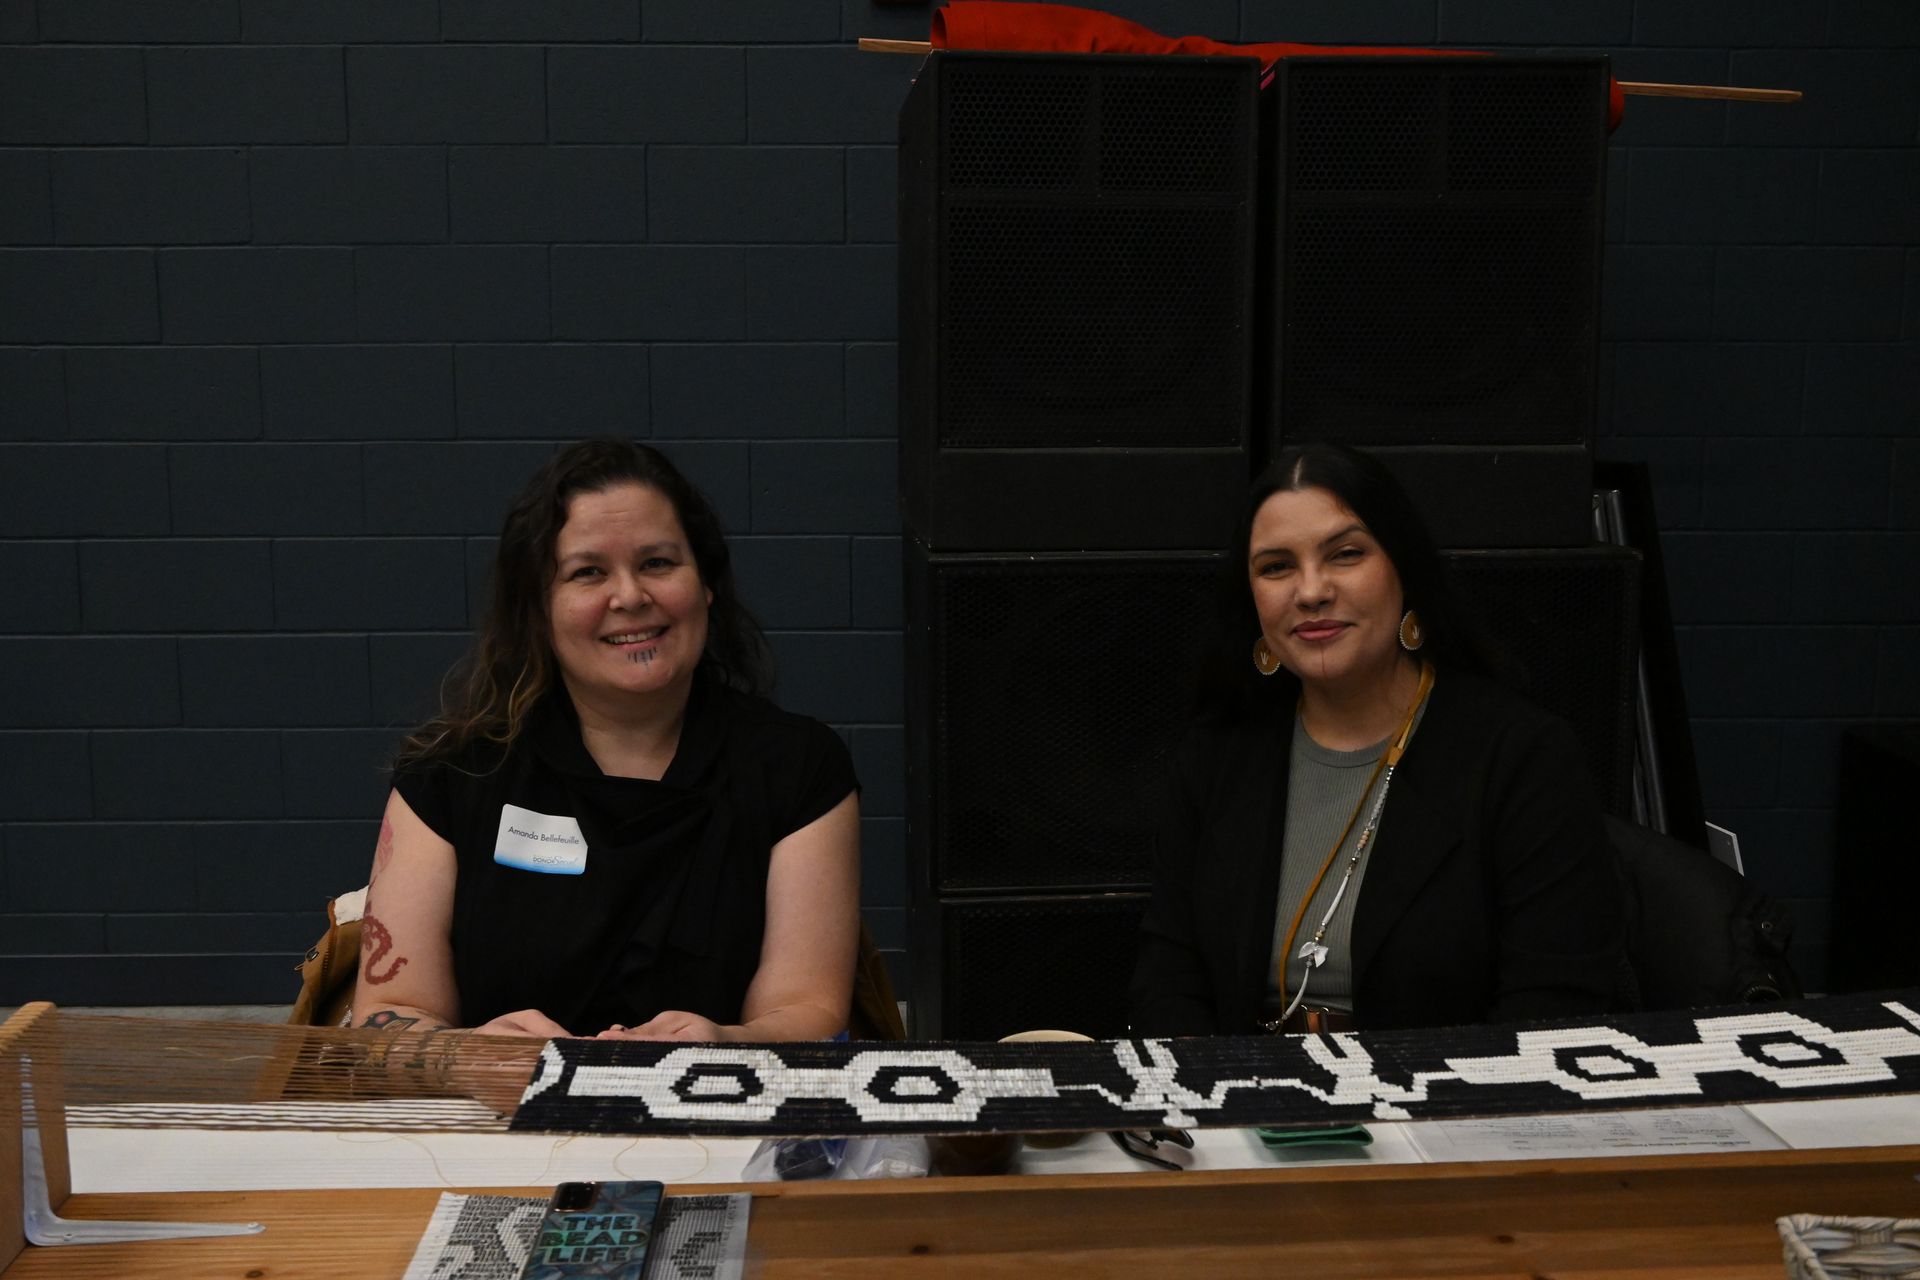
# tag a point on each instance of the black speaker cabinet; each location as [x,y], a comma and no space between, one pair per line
[1435,246]
[1563,625]
[1076,284]
[1043,693]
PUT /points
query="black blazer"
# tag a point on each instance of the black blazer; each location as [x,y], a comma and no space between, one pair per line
[1490,893]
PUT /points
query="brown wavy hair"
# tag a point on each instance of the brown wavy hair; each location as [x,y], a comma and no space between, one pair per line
[510,666]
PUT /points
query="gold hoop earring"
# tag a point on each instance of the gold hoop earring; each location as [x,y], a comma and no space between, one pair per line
[1263,660]
[1411,636]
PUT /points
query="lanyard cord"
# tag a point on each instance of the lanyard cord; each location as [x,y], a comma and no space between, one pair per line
[1385,764]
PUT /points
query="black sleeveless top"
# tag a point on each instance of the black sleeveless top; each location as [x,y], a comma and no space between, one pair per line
[669,910]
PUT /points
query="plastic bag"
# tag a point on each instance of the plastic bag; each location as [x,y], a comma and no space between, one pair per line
[808,1159]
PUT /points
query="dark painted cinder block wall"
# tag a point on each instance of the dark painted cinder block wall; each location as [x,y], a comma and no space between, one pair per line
[293,292]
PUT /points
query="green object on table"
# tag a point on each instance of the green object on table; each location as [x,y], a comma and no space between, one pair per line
[1335,1135]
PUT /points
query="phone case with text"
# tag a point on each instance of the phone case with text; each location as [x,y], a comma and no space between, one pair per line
[595,1230]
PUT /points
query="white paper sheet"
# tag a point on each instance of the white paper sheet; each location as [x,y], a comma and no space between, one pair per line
[1889,1120]
[476,1238]
[1611,1133]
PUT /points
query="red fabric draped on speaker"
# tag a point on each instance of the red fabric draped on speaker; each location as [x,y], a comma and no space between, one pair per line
[1011,26]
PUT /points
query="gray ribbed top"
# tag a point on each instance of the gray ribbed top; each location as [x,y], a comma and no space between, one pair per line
[1323,787]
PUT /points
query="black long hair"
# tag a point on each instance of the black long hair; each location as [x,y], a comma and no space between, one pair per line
[1228,685]
[510,665]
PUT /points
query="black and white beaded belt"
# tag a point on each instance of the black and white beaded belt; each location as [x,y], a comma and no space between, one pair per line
[1841,1046]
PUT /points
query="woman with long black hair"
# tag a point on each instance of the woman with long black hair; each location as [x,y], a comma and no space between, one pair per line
[1362,828]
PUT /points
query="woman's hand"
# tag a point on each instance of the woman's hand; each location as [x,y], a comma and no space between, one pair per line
[495,1073]
[524,1022]
[674,1024]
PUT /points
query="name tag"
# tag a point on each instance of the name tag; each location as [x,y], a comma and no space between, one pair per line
[545,842]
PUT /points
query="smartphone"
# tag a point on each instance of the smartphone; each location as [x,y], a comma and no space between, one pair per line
[595,1229]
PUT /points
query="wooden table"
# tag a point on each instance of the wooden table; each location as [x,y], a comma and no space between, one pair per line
[1695,1216]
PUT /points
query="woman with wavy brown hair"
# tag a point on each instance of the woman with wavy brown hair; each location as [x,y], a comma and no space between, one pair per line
[609,829]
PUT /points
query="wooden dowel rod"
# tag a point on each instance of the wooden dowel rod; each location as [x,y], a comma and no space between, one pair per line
[1721,92]
[1641,88]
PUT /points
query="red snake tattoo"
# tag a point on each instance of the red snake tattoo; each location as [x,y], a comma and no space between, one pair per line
[375,942]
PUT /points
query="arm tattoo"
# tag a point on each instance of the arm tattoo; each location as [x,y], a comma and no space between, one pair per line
[382,850]
[437,1048]
[375,942]
[388,1020]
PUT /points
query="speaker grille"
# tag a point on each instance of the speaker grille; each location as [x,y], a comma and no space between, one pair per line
[1528,131]
[1173,133]
[1351,134]
[1071,327]
[1059,685]
[1016,125]
[1073,123]
[1424,317]
[1566,623]
[1437,242]
[1409,127]
[1026,964]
